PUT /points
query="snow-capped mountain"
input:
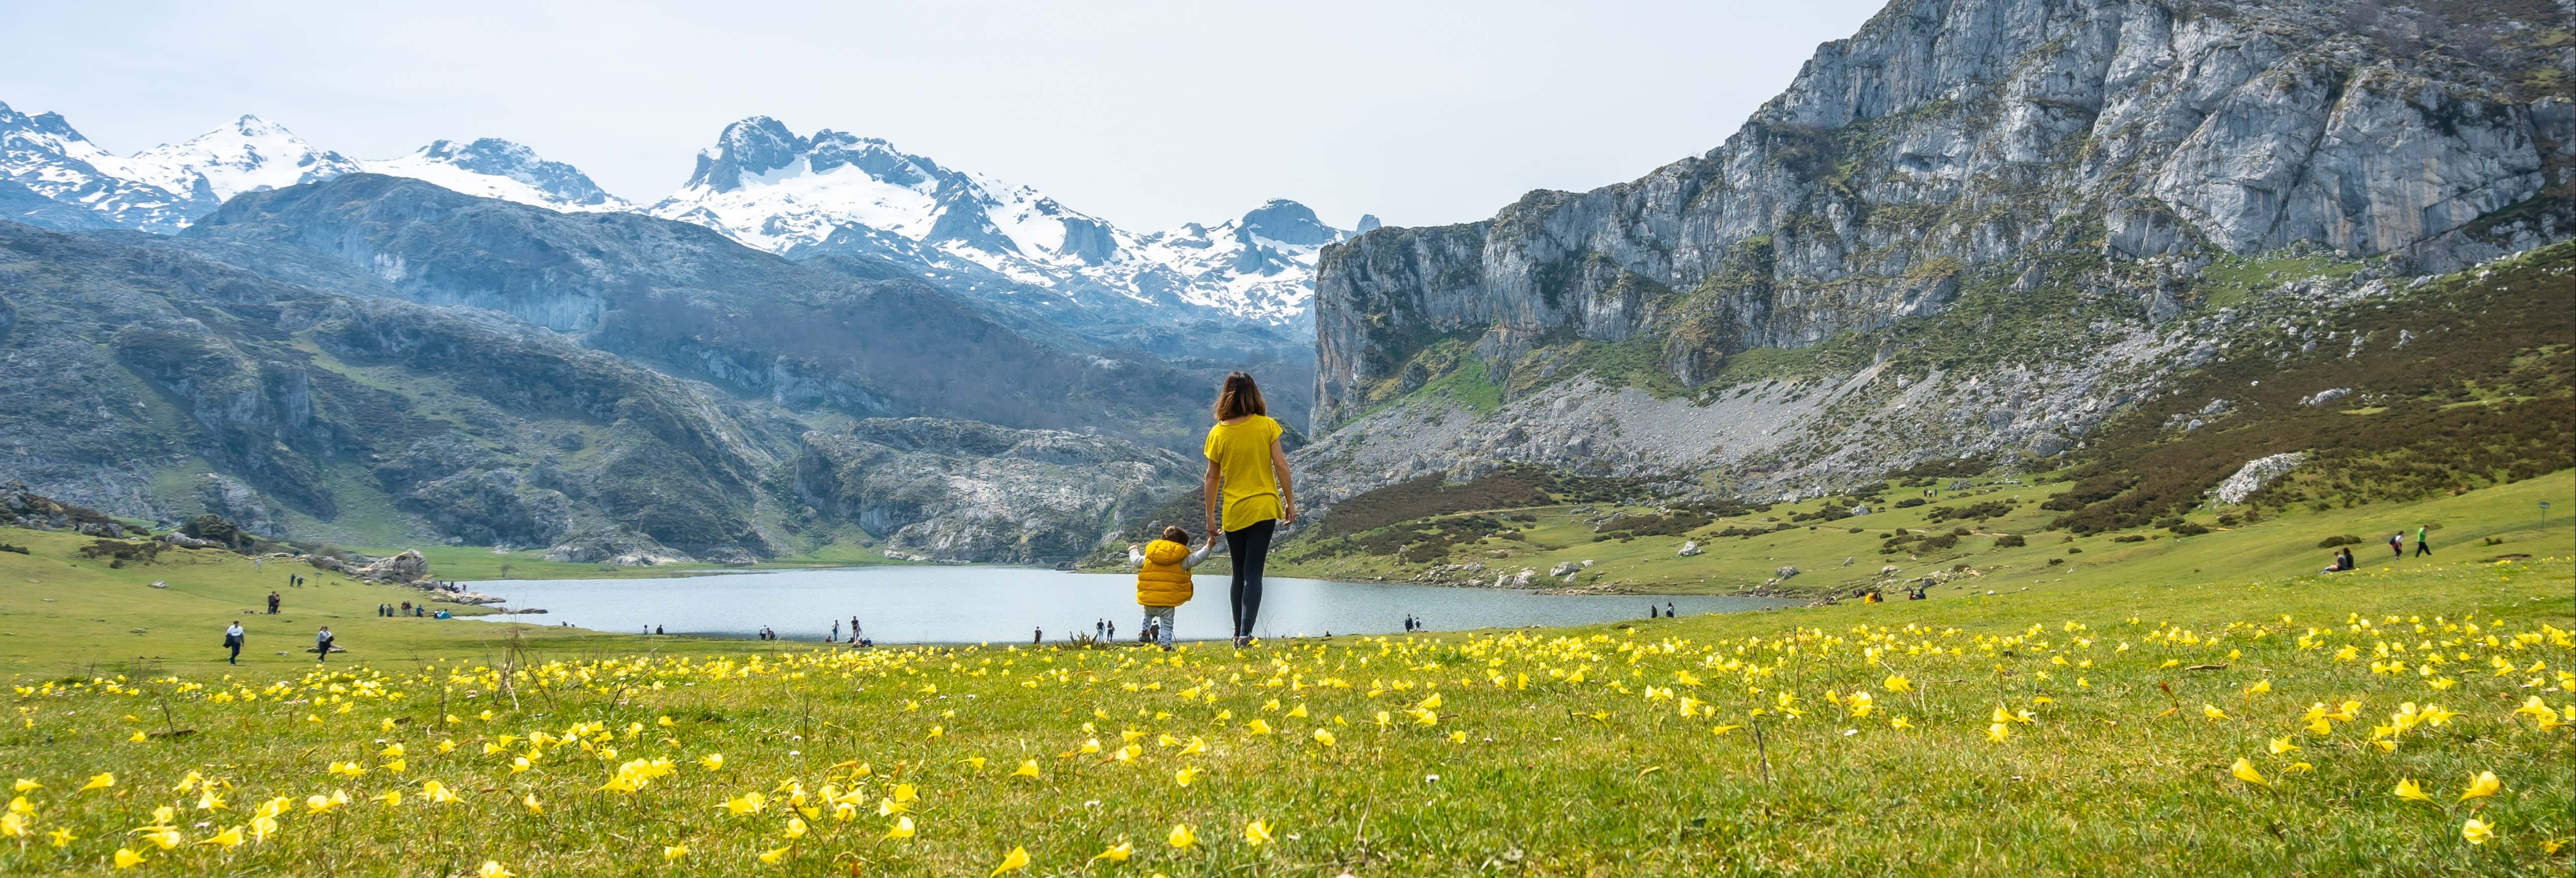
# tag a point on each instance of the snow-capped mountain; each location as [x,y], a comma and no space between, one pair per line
[837,193]
[164,188]
[830,194]
[496,168]
[248,155]
[44,155]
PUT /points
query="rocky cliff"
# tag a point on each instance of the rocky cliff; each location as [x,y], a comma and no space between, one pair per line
[959,490]
[1975,228]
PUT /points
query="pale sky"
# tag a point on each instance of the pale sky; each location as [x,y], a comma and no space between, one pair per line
[1146,114]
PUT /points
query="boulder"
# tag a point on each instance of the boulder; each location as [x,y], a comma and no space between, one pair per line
[2255,474]
[1689,548]
[1785,572]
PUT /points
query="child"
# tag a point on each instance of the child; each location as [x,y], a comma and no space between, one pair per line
[1163,578]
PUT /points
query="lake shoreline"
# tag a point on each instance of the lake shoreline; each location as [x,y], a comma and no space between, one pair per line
[1011,604]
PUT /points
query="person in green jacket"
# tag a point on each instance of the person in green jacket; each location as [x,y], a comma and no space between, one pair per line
[2422,548]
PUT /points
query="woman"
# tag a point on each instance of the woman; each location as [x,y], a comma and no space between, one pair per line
[1247,489]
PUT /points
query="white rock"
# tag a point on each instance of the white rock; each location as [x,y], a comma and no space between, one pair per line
[2255,474]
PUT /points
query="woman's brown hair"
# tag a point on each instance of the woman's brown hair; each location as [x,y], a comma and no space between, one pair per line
[1240,397]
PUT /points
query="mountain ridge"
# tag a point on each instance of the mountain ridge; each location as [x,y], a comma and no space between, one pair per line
[830,193]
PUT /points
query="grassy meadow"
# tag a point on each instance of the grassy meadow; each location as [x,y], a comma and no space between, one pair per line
[2204,705]
[2484,524]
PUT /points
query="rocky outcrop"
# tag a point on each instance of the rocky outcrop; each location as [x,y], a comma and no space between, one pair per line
[2255,474]
[964,491]
[20,507]
[1988,219]
[240,504]
[406,568]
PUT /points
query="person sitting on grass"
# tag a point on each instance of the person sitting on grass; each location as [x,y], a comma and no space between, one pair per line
[1163,578]
[2342,561]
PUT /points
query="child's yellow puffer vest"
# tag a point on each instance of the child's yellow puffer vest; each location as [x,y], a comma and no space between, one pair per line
[1162,581]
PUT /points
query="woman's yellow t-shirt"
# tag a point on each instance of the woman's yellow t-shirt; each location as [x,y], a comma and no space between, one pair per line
[1241,451]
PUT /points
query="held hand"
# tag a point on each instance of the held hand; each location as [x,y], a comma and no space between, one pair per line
[1288,511]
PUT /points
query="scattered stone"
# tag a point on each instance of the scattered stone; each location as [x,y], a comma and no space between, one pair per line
[1689,548]
[2255,474]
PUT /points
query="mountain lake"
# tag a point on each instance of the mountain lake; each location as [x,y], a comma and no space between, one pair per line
[998,604]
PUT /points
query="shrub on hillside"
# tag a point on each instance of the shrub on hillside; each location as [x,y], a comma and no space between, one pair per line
[2343,540]
[2010,541]
[2497,339]
[1978,511]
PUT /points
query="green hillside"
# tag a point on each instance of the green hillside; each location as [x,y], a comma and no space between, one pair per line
[2478,525]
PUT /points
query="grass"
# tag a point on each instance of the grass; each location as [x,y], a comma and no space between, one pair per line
[1709,745]
[2278,546]
[2234,280]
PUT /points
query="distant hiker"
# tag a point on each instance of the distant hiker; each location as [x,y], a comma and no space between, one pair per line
[233,641]
[2422,548]
[1100,627]
[1113,630]
[1163,578]
[854,629]
[2397,544]
[272,603]
[1247,489]
[835,636]
[1653,613]
[1037,636]
[322,644]
[657,629]
[1668,609]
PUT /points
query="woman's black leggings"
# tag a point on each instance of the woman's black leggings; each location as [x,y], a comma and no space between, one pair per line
[1248,548]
